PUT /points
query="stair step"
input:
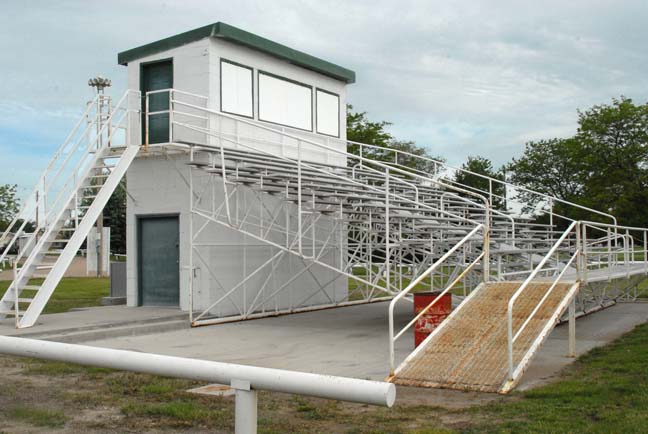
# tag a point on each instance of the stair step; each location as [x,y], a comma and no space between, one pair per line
[20,299]
[31,287]
[11,313]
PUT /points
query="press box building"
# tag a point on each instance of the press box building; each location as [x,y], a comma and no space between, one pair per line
[243,75]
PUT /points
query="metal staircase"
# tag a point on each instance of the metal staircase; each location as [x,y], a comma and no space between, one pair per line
[66,203]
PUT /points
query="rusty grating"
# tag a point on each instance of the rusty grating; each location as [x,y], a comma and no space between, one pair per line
[469,350]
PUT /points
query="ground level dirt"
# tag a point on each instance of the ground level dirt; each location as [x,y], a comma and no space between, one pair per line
[47,397]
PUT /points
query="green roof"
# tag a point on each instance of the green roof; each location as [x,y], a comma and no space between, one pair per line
[238,36]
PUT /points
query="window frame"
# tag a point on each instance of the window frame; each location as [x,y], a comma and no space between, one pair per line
[317,131]
[251,69]
[279,77]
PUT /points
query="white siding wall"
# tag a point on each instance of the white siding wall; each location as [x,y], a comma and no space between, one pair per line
[158,186]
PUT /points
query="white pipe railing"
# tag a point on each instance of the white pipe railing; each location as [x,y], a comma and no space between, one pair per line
[511,337]
[245,380]
[417,281]
[438,163]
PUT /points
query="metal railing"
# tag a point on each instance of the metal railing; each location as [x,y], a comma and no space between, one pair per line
[429,273]
[198,128]
[512,335]
[35,206]
[246,381]
[76,158]
[490,193]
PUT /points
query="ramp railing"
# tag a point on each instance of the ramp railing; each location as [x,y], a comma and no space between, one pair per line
[512,335]
[429,275]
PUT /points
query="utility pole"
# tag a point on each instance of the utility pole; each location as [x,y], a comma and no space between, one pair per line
[103,102]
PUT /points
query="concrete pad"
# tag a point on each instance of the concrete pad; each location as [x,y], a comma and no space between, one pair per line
[80,325]
[348,341]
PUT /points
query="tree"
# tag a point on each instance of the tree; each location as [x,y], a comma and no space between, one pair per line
[469,176]
[614,151]
[604,166]
[115,217]
[551,167]
[361,129]
[8,205]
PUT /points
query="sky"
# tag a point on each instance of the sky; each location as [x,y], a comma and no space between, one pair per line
[459,78]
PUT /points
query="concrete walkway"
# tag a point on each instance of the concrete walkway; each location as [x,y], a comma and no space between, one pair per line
[349,341]
[82,325]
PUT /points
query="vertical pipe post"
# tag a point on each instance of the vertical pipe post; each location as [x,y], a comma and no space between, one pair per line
[299,197]
[191,242]
[387,252]
[572,327]
[245,413]
[579,264]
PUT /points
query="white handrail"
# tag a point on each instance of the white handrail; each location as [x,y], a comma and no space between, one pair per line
[245,380]
[58,209]
[34,199]
[490,179]
[418,280]
[514,297]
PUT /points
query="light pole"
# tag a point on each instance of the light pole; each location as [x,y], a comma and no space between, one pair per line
[100,83]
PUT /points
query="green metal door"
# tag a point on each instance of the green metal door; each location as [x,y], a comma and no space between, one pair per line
[159,261]
[156,76]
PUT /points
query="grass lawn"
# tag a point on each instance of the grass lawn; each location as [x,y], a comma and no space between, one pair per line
[73,292]
[604,391]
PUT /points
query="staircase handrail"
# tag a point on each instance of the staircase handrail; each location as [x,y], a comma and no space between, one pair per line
[53,209]
[34,199]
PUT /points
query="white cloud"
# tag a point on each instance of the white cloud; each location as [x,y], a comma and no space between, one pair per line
[462,78]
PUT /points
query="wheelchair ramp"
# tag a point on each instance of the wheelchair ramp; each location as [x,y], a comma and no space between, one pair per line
[469,349]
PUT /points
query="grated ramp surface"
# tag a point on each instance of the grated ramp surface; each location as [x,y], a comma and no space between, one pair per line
[469,350]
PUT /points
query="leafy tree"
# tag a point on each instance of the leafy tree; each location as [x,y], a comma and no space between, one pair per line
[115,216]
[361,129]
[614,155]
[8,205]
[604,166]
[551,167]
[469,176]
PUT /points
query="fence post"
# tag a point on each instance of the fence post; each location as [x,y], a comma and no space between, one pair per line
[245,412]
[572,327]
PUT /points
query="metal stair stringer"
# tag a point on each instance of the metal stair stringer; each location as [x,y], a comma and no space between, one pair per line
[54,276]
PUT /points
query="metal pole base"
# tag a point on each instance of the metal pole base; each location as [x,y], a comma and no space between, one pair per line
[245,413]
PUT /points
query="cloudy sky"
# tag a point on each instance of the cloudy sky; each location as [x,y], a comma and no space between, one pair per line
[460,78]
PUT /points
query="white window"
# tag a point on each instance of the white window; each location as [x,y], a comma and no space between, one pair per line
[328,113]
[285,102]
[236,89]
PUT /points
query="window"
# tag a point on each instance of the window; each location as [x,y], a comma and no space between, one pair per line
[236,89]
[285,102]
[328,113]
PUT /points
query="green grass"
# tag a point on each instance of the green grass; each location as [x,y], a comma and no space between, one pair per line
[39,417]
[604,391]
[72,293]
[178,411]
